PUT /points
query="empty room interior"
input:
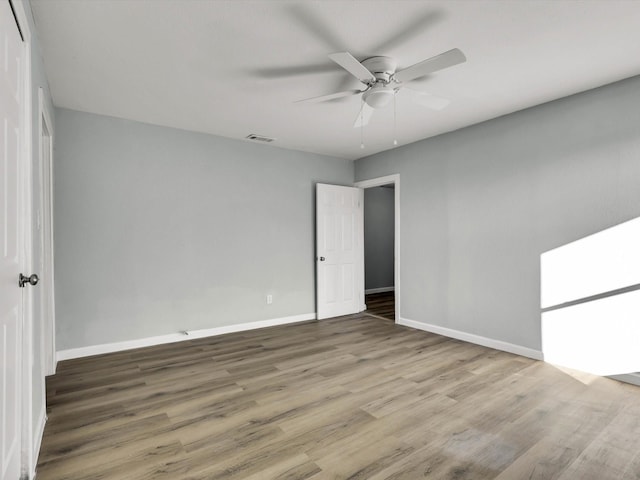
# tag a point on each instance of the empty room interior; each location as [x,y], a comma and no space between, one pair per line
[346,239]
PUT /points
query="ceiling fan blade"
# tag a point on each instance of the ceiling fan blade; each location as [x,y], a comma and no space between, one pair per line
[427,99]
[353,66]
[331,96]
[416,26]
[287,72]
[364,115]
[430,65]
[312,21]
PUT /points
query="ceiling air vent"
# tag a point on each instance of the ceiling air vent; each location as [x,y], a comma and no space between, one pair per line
[259,138]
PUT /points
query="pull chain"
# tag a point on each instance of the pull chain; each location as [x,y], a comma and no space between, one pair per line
[395,123]
[361,123]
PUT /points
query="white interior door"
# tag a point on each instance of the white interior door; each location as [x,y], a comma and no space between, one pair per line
[339,250]
[11,111]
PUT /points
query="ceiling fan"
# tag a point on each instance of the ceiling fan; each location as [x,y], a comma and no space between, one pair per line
[382,82]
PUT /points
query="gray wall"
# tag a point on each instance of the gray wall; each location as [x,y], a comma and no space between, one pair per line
[378,237]
[160,230]
[479,206]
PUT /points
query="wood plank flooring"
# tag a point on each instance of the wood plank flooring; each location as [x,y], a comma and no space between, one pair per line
[348,398]
[382,305]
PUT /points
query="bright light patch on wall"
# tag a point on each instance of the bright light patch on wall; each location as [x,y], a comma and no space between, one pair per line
[591,308]
[605,261]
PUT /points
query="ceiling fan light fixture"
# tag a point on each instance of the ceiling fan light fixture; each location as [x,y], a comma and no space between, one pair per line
[379,95]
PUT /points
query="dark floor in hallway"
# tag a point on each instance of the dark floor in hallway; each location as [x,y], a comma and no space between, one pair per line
[382,305]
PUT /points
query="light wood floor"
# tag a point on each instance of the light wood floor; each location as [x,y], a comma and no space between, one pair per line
[353,397]
[381,304]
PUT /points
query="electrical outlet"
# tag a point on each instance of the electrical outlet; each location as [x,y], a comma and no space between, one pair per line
[269,299]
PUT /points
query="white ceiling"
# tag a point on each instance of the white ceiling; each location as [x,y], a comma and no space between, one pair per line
[236,67]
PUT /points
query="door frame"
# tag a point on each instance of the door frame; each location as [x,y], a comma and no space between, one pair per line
[48,297]
[378,182]
[26,258]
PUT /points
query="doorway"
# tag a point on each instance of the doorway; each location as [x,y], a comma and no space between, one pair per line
[378,251]
[382,246]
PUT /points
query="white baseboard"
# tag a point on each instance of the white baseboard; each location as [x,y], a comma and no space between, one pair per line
[177,337]
[633,378]
[472,338]
[379,290]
